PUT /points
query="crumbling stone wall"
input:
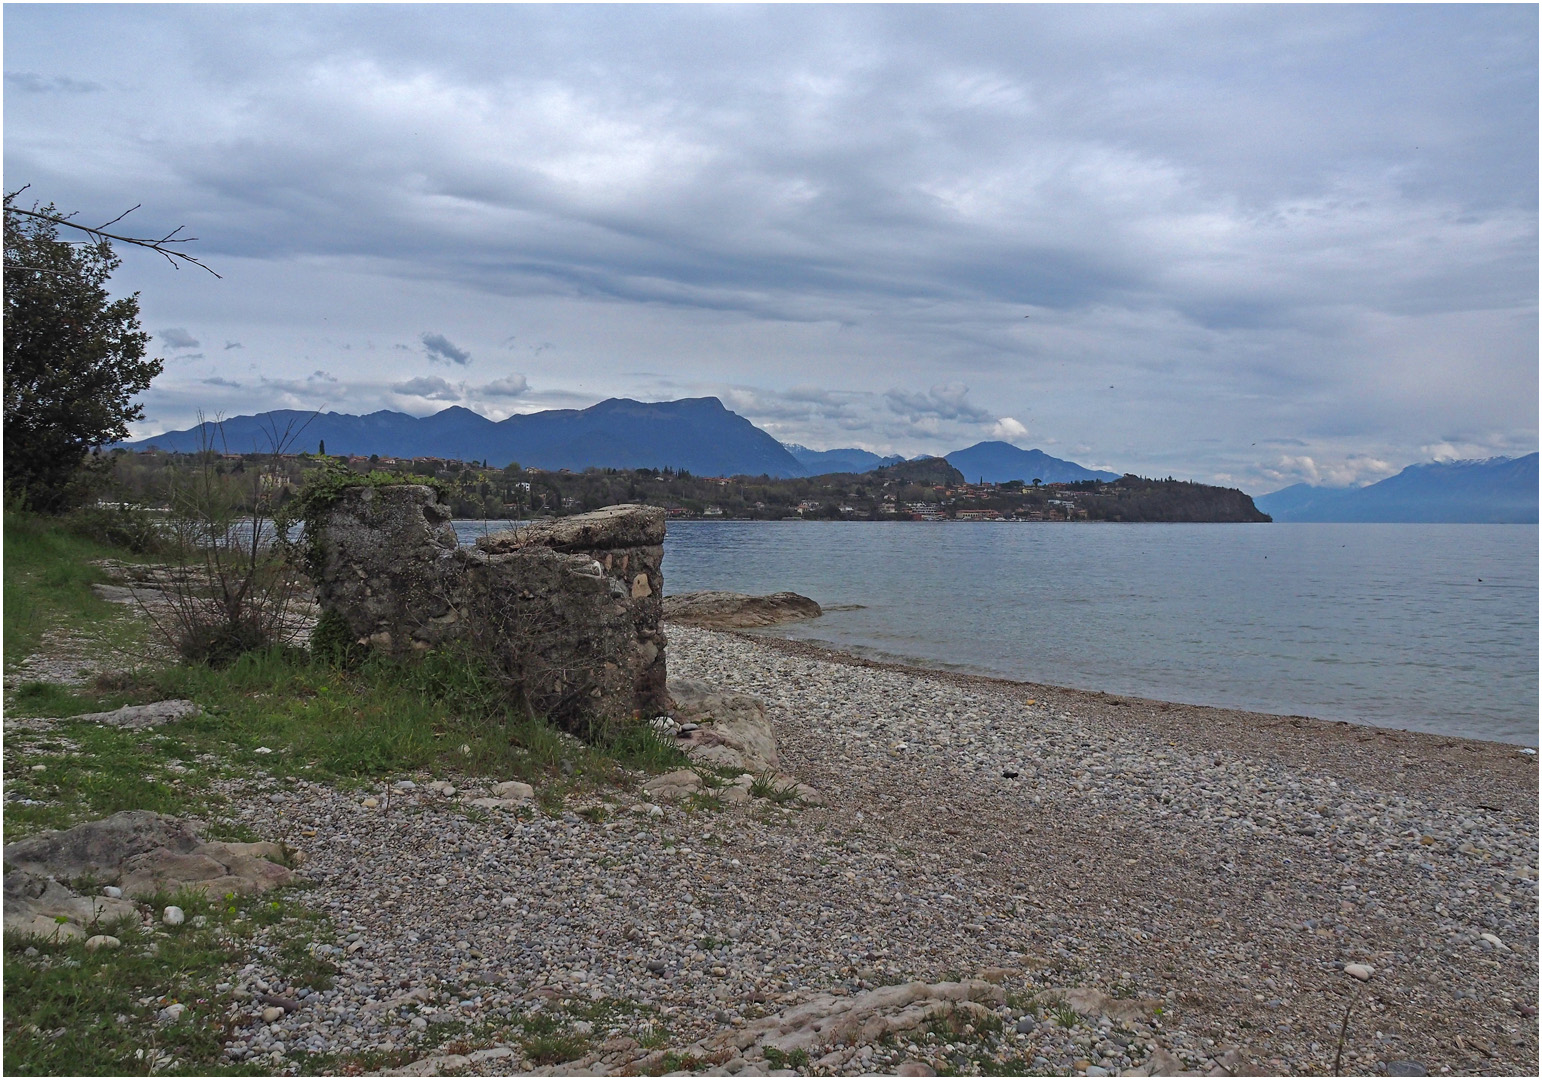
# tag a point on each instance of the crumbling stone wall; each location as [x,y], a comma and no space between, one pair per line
[568,609]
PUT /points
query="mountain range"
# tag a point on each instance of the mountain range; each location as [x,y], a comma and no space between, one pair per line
[999,462]
[1496,491]
[696,434]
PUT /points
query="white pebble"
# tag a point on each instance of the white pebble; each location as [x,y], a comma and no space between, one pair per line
[263,750]
[173,916]
[1363,972]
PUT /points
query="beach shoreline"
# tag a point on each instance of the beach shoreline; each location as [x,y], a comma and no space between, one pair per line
[1473,765]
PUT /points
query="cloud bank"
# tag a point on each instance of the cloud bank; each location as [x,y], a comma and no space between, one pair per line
[1171,238]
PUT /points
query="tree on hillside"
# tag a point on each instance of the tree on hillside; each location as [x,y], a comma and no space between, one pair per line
[74,357]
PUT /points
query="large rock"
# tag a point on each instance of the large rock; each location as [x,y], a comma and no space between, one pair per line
[738,611]
[99,848]
[733,731]
[213,869]
[147,853]
[34,904]
[141,717]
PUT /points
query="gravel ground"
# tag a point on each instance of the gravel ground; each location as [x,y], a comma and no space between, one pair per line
[1227,864]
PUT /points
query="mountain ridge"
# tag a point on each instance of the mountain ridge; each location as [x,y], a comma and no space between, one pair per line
[1488,491]
[700,435]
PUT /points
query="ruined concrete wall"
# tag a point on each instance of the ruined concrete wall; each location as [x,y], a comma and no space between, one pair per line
[567,609]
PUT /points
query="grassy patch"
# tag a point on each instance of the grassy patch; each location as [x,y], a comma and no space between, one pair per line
[798,1059]
[70,1011]
[48,578]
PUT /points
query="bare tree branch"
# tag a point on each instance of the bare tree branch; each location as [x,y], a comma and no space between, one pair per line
[161,246]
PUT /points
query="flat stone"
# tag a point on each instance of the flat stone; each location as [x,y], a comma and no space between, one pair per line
[737,611]
[102,941]
[731,732]
[1363,972]
[1406,1067]
[627,525]
[142,717]
[514,789]
[99,848]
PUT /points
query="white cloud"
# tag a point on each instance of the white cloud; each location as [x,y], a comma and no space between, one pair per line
[1008,430]
[1347,472]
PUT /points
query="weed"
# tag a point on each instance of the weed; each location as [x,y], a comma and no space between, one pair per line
[701,800]
[765,786]
[778,1059]
[1065,1016]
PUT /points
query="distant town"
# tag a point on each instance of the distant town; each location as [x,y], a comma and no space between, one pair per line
[927,489]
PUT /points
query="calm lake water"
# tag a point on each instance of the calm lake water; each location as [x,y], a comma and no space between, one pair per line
[1429,627]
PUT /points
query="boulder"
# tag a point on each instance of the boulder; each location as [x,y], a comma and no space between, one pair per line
[213,869]
[99,848]
[731,730]
[144,852]
[140,717]
[674,785]
[738,611]
[34,904]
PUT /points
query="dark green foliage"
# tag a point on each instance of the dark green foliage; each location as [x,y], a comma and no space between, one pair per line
[332,642]
[74,360]
[932,470]
[118,525]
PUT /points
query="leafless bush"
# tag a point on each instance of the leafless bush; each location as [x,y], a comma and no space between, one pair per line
[238,592]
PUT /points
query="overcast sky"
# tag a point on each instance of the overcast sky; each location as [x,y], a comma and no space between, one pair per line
[1236,244]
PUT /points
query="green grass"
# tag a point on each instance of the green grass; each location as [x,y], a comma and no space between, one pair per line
[48,578]
[69,1011]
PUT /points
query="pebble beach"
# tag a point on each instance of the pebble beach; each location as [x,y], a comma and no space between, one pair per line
[1242,880]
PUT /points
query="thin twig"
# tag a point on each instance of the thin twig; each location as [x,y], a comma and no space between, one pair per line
[1338,1055]
[171,255]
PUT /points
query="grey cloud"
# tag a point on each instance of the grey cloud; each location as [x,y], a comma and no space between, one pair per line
[945,402]
[1319,222]
[28,82]
[177,337]
[215,380]
[509,386]
[431,387]
[439,347]
[233,345]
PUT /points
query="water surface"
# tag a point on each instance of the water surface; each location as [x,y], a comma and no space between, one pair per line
[1429,627]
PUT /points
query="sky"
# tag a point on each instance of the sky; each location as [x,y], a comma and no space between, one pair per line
[1237,244]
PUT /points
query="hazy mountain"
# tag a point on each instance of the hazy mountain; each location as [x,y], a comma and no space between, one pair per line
[849,460]
[698,434]
[1499,490]
[998,462]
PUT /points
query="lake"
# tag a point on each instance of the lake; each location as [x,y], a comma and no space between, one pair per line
[1427,627]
